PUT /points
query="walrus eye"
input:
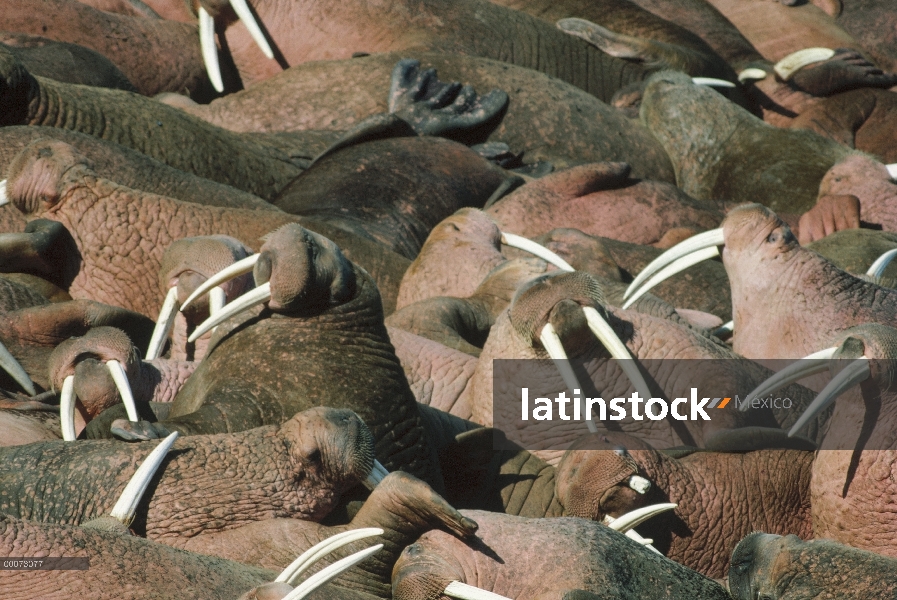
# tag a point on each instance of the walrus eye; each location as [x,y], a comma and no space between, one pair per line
[773,237]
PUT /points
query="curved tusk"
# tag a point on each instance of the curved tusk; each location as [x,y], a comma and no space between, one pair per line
[639,484]
[325,575]
[804,367]
[456,589]
[617,349]
[671,269]
[712,82]
[878,267]
[552,344]
[164,324]
[377,474]
[322,549]
[4,199]
[751,74]
[892,170]
[851,375]
[246,301]
[126,506]
[708,239]
[226,274]
[67,409]
[795,61]
[208,48]
[124,388]
[244,14]
[521,243]
[15,370]
[636,517]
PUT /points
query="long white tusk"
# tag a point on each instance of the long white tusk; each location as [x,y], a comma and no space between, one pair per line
[456,589]
[892,170]
[712,82]
[242,9]
[217,300]
[851,375]
[878,267]
[9,364]
[708,239]
[795,61]
[377,474]
[208,48]
[636,517]
[248,300]
[226,274]
[671,269]
[806,366]
[617,349]
[521,243]
[552,344]
[67,409]
[126,506]
[325,575]
[4,199]
[164,324]
[299,566]
[639,484]
[752,73]
[124,388]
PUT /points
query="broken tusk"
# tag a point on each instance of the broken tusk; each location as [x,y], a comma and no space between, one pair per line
[852,374]
[521,243]
[795,61]
[244,14]
[462,591]
[246,301]
[226,274]
[4,199]
[308,558]
[617,349]
[639,484]
[725,329]
[325,575]
[646,542]
[15,370]
[164,324]
[752,74]
[636,517]
[804,367]
[708,239]
[377,474]
[671,269]
[892,170]
[126,507]
[552,344]
[124,388]
[878,267]
[67,409]
[209,50]
[712,82]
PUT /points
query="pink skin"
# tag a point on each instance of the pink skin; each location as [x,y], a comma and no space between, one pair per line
[870,182]
[602,200]
[831,214]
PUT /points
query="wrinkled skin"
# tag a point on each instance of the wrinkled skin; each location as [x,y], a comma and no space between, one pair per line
[29,425]
[602,200]
[330,308]
[546,119]
[872,23]
[303,466]
[786,568]
[831,214]
[577,554]
[722,497]
[870,182]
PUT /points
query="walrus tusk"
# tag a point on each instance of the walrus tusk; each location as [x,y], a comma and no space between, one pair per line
[244,14]
[751,74]
[892,170]
[325,575]
[4,199]
[521,243]
[124,388]
[639,484]
[881,263]
[707,240]
[725,329]
[712,82]
[795,61]
[15,370]
[852,374]
[305,560]
[617,349]
[552,344]
[633,535]
[226,274]
[126,507]
[636,517]
[377,474]
[67,409]
[164,324]
[671,269]
[251,298]
[208,49]
[804,367]
[462,591]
